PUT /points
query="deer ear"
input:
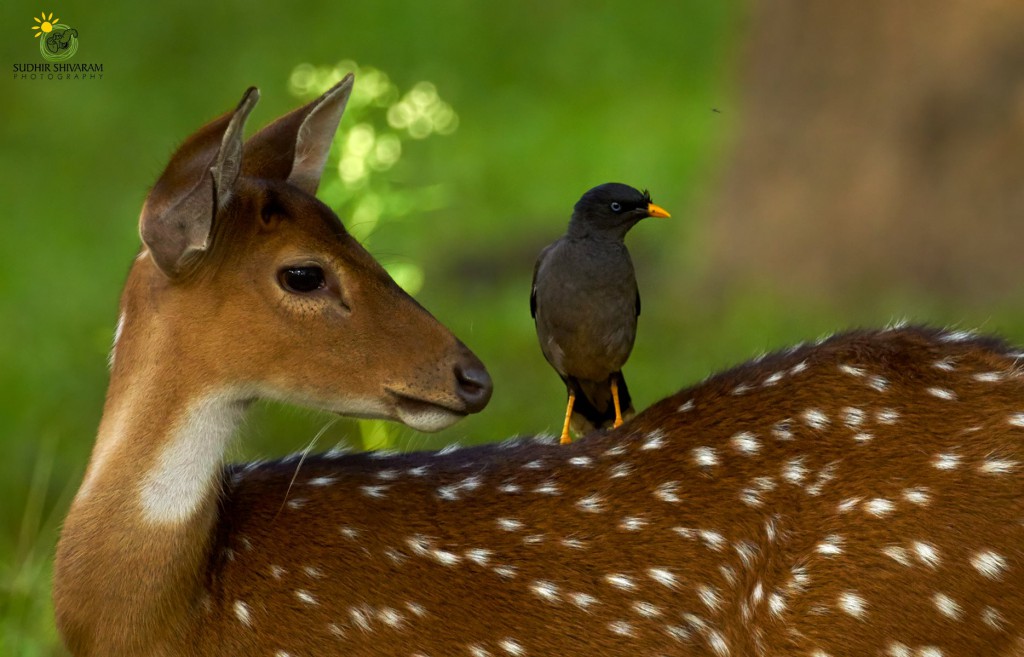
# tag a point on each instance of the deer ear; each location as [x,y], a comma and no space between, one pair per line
[295,147]
[199,180]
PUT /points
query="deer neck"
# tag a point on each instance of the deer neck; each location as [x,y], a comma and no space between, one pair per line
[137,539]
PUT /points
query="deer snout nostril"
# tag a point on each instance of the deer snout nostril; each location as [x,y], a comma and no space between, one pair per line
[474,385]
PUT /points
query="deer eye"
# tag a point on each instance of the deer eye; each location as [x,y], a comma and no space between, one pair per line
[616,206]
[301,280]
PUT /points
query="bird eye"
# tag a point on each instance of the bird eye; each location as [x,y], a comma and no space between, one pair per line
[616,206]
[301,280]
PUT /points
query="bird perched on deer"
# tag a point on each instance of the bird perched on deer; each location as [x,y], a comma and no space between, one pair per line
[585,303]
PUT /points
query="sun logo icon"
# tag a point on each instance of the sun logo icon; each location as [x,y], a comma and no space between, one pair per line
[45,24]
[58,42]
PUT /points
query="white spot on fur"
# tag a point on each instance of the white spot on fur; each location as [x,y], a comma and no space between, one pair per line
[446,558]
[879,383]
[941,393]
[988,377]
[879,507]
[306,596]
[321,481]
[794,471]
[782,430]
[510,524]
[989,564]
[582,600]
[851,370]
[655,440]
[852,417]
[591,504]
[898,554]
[662,576]
[632,524]
[242,613]
[705,457]
[646,609]
[547,488]
[815,418]
[957,336]
[512,647]
[998,466]
[620,470]
[848,504]
[580,461]
[831,545]
[1016,420]
[926,553]
[745,443]
[375,492]
[667,492]
[852,603]
[718,643]
[622,628]
[546,590]
[992,618]
[479,556]
[947,606]
[897,649]
[825,475]
[688,406]
[620,581]
[918,496]
[887,416]
[709,596]
[946,461]
[741,389]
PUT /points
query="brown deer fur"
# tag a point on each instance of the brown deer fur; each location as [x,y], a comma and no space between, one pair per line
[860,496]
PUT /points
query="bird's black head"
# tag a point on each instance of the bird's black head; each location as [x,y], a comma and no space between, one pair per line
[612,209]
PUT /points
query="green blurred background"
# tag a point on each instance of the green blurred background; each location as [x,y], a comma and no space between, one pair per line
[826,167]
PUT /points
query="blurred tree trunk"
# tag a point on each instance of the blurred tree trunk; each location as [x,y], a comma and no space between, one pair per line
[881,146]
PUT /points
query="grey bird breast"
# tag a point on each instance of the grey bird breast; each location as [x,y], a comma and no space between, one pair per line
[586,297]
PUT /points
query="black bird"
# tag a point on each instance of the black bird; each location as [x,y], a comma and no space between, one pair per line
[585,304]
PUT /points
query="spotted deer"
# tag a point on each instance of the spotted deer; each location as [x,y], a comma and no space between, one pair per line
[863,495]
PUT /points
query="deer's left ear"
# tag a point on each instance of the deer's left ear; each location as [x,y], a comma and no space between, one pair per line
[295,147]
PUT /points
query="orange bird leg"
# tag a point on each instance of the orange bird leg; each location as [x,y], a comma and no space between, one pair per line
[568,415]
[615,398]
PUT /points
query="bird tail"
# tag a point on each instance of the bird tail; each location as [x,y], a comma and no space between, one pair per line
[594,408]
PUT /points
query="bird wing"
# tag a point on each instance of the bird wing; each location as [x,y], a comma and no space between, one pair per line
[533,285]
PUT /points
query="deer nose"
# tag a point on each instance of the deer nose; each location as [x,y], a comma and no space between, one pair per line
[474,384]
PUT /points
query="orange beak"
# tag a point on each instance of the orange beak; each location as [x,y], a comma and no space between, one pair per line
[656,211]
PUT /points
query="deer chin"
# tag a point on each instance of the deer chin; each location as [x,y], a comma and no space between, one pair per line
[423,415]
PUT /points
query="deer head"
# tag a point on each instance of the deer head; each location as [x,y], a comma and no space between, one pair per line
[249,284]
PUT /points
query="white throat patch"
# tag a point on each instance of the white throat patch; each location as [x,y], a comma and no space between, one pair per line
[187,465]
